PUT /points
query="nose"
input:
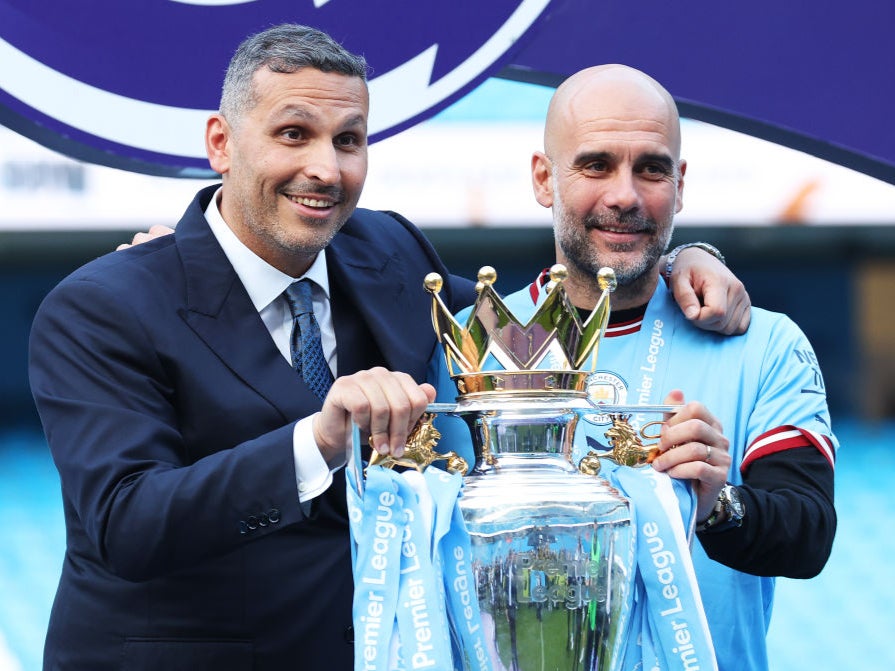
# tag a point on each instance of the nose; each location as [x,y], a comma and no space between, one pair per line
[322,163]
[621,192]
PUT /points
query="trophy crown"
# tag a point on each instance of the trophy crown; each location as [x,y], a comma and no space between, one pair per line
[494,351]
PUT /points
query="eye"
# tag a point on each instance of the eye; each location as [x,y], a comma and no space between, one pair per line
[599,165]
[654,170]
[348,140]
[293,134]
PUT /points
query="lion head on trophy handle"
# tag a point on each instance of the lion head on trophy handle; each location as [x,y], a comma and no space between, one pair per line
[419,450]
[627,447]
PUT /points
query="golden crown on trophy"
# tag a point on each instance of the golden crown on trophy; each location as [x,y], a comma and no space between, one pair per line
[554,351]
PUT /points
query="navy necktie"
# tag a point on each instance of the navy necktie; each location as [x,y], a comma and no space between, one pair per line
[307,351]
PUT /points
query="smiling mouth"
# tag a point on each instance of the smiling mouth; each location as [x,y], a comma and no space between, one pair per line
[316,203]
[619,230]
[614,229]
[633,225]
[623,224]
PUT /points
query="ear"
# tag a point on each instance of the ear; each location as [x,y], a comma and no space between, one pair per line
[542,178]
[680,188]
[217,143]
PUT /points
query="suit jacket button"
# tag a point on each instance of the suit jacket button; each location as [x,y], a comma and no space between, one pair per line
[253,522]
[273,515]
[243,528]
[263,520]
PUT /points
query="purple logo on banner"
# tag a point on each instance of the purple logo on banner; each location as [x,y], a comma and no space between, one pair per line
[130,84]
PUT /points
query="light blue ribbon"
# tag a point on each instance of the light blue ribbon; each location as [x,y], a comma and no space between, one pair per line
[673,631]
[455,555]
[423,633]
[377,533]
[402,524]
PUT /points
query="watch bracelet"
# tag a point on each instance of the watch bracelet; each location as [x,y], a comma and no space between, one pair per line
[711,523]
[704,246]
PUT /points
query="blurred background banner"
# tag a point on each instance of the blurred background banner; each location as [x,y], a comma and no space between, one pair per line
[130,84]
[812,75]
[468,166]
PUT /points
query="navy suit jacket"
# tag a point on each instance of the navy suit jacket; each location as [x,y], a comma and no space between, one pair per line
[169,413]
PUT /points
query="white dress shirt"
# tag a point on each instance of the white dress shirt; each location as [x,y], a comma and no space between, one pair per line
[265,286]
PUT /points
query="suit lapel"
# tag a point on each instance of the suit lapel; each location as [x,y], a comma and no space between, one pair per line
[357,349]
[219,310]
[376,285]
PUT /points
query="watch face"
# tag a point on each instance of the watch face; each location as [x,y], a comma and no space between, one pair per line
[735,506]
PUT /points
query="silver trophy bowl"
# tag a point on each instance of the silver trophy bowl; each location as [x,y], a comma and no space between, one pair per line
[552,547]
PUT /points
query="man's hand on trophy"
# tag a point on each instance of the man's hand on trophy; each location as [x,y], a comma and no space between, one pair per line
[709,294]
[154,232]
[384,404]
[693,447]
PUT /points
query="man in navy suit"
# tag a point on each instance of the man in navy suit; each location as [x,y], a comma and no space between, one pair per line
[202,478]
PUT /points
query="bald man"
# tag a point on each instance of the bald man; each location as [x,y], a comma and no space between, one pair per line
[612,173]
[754,435]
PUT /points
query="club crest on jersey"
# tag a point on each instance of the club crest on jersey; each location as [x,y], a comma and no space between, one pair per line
[132,85]
[605,387]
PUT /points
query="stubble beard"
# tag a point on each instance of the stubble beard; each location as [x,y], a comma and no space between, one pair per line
[586,259]
[285,240]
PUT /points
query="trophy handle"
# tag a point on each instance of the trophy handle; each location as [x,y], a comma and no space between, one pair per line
[627,447]
[648,436]
[419,450]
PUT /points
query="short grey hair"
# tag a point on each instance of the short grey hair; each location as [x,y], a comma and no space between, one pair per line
[285,48]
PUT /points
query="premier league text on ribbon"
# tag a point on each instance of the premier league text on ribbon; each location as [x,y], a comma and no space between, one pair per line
[662,561]
[648,369]
[471,617]
[384,532]
[418,600]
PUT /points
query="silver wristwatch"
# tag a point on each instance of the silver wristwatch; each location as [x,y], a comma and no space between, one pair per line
[728,512]
[704,246]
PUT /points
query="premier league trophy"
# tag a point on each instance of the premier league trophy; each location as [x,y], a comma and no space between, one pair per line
[537,556]
[552,543]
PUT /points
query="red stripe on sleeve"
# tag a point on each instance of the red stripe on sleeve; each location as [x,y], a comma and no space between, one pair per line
[785,438]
